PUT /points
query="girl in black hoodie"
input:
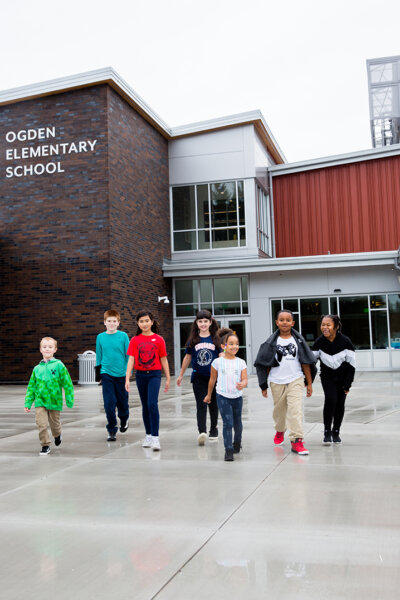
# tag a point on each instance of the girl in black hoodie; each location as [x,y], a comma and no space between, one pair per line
[337,357]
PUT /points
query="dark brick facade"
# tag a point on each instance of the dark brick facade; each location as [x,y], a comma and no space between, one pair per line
[78,242]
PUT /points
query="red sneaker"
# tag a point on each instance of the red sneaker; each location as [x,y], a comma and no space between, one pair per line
[298,448]
[279,437]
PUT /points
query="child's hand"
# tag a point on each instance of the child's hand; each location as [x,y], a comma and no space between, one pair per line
[127,385]
[27,410]
[265,393]
[207,399]
[309,390]
[240,385]
[166,386]
[179,380]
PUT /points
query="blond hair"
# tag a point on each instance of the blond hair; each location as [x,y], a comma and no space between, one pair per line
[48,339]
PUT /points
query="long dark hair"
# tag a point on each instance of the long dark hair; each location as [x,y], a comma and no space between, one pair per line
[147,313]
[194,336]
[336,321]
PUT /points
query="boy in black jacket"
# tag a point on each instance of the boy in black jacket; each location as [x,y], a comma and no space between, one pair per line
[287,364]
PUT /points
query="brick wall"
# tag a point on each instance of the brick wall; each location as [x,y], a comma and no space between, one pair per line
[139,217]
[75,243]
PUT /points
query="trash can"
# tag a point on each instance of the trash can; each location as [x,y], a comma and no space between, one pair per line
[87,363]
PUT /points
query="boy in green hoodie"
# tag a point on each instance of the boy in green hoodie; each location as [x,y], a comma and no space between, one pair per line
[45,390]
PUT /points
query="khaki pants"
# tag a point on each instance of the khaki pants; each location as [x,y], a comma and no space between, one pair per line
[288,407]
[43,418]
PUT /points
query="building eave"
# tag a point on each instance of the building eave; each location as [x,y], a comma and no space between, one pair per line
[83,80]
[254,117]
[336,160]
[271,265]
[110,77]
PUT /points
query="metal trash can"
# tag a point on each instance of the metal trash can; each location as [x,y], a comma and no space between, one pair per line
[87,363]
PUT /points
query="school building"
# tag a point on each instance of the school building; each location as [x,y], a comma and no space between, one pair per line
[104,205]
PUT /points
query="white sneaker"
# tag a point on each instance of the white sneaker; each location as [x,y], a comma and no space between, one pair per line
[147,442]
[202,439]
[156,443]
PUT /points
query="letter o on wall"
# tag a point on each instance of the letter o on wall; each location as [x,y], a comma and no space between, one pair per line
[11,136]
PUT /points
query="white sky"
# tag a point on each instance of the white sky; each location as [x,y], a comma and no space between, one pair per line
[301,62]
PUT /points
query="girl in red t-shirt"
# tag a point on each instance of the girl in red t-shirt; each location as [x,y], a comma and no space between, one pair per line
[148,356]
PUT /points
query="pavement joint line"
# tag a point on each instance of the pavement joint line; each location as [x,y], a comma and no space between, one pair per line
[214,533]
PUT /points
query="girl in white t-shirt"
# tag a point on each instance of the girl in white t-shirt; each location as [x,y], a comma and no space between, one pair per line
[230,373]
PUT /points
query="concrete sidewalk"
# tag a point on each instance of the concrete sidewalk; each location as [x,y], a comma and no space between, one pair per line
[97,520]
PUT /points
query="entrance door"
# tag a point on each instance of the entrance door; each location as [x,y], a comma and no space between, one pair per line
[240,326]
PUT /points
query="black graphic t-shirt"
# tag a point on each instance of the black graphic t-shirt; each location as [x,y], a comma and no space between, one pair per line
[202,355]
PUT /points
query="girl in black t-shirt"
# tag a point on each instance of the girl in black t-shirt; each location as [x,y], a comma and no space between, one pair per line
[201,349]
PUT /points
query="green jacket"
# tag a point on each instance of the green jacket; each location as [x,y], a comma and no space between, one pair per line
[46,383]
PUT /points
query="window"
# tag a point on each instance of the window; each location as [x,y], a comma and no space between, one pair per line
[263,210]
[224,296]
[208,216]
[394,320]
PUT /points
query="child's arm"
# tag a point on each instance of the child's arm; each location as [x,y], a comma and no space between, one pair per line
[129,367]
[165,366]
[185,363]
[211,384]
[30,393]
[307,373]
[243,380]
[66,383]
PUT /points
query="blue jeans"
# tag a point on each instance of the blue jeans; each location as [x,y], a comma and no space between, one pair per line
[115,396]
[148,385]
[231,412]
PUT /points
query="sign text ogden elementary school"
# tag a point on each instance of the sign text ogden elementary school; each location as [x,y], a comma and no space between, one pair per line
[21,153]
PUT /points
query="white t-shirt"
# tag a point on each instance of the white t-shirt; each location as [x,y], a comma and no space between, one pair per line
[229,374]
[289,365]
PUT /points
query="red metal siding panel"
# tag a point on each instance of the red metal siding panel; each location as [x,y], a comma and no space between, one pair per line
[343,209]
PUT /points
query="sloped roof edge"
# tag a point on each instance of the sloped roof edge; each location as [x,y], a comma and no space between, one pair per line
[109,76]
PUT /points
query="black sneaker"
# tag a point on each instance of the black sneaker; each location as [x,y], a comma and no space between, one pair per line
[327,441]
[335,437]
[58,440]
[124,427]
[237,446]
[112,437]
[213,435]
[44,451]
[229,455]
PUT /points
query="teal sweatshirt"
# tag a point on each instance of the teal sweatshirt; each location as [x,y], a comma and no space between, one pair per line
[46,383]
[111,353]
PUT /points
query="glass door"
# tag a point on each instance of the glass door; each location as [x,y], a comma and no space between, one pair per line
[240,326]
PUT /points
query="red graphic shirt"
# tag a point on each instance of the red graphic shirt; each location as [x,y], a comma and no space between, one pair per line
[147,351]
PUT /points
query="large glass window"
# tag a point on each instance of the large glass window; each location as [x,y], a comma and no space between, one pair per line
[354,317]
[394,320]
[208,216]
[263,211]
[224,296]
[311,310]
[371,322]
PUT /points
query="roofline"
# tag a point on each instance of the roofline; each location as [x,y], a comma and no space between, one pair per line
[254,117]
[336,160]
[108,76]
[172,268]
[82,80]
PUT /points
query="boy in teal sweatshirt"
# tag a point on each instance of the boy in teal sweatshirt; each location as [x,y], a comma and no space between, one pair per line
[45,390]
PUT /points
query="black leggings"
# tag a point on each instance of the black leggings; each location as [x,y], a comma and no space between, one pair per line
[334,404]
[200,389]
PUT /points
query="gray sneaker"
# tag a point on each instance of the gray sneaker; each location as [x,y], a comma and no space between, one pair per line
[201,440]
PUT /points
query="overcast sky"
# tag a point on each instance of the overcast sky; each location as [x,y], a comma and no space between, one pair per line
[302,63]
